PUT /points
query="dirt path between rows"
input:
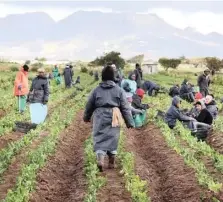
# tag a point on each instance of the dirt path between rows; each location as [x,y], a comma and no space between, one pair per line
[63,178]
[114,190]
[169,179]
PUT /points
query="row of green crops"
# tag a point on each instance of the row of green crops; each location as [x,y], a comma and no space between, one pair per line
[94,181]
[137,187]
[190,152]
[37,158]
[6,154]
[58,94]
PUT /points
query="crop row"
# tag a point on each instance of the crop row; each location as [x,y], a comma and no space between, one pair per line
[37,158]
[190,154]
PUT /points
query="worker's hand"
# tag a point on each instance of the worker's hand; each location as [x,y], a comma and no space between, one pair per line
[19,87]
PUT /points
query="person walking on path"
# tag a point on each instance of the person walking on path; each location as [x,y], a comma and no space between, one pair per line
[203,82]
[107,103]
[21,87]
[38,97]
[68,76]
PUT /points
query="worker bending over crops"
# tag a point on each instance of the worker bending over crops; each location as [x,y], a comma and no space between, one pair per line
[186,92]
[140,118]
[150,87]
[38,97]
[107,103]
[174,91]
[21,87]
[173,114]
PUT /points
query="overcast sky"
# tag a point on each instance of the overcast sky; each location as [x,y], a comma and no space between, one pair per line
[204,16]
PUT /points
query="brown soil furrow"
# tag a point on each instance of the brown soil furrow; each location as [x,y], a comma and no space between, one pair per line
[63,178]
[169,179]
[9,177]
[215,140]
[114,190]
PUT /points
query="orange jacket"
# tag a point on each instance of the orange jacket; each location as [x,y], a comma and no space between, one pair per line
[21,79]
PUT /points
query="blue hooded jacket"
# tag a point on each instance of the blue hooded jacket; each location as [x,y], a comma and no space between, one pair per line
[174,114]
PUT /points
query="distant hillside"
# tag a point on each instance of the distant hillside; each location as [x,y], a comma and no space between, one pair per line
[85,35]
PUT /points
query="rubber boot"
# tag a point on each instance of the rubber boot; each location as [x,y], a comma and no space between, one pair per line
[100,162]
[111,161]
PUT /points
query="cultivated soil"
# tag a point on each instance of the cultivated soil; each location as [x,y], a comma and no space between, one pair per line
[63,179]
[215,140]
[169,179]
[114,190]
[9,177]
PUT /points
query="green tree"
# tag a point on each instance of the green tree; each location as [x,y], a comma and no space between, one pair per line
[169,63]
[111,57]
[136,59]
[214,63]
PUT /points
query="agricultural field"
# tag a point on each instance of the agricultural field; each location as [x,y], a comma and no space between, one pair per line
[56,163]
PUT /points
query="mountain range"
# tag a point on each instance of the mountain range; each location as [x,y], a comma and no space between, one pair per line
[88,34]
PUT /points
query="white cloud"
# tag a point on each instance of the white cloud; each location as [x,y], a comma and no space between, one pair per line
[203,21]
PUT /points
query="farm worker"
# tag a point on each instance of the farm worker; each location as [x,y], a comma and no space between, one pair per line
[211,106]
[138,74]
[58,79]
[96,76]
[107,103]
[198,96]
[173,114]
[174,91]
[118,76]
[129,85]
[150,87]
[55,71]
[38,97]
[78,80]
[21,87]
[185,92]
[203,82]
[204,115]
[68,76]
[133,109]
[137,100]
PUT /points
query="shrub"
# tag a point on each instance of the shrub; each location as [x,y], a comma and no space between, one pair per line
[36,66]
[84,69]
[14,68]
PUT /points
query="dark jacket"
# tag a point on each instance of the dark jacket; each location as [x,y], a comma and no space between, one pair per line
[174,91]
[184,88]
[39,91]
[100,104]
[148,85]
[118,77]
[138,73]
[68,76]
[205,117]
[203,82]
[174,114]
[137,103]
[212,108]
